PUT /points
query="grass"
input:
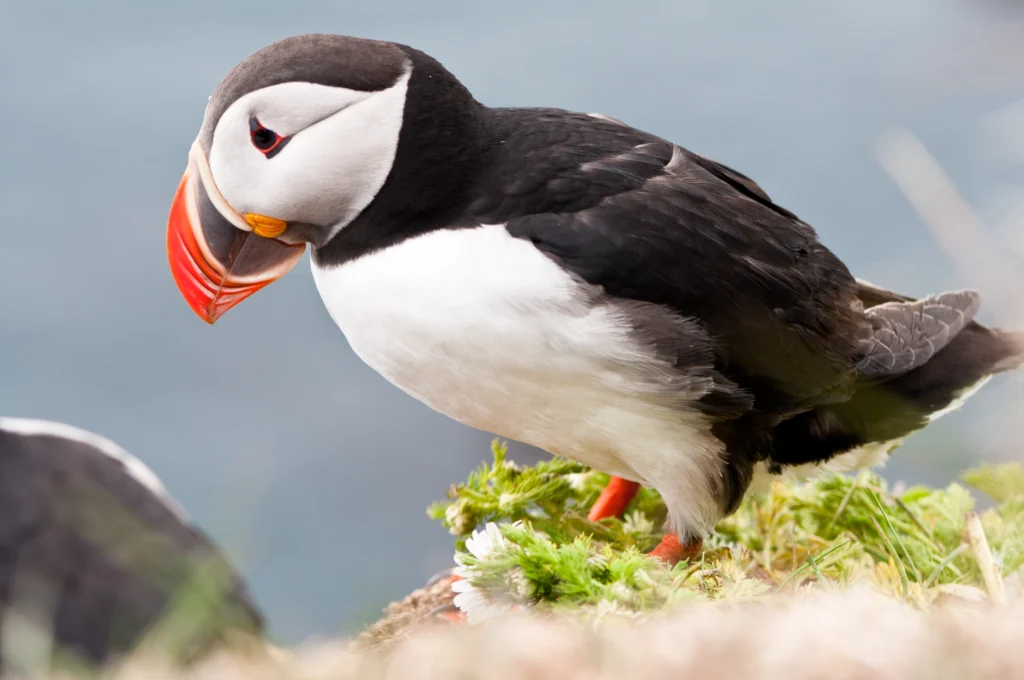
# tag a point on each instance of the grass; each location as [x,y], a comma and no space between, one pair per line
[832,533]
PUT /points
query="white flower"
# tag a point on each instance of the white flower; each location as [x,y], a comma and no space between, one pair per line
[477,603]
[577,480]
[473,602]
[637,523]
[481,544]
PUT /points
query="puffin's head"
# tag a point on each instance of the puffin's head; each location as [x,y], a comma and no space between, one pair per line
[296,142]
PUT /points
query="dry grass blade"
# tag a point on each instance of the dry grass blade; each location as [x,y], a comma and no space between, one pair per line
[983,555]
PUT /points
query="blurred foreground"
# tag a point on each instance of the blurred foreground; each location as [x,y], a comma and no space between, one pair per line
[837,635]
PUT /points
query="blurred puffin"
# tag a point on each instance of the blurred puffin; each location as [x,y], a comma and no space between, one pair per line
[95,556]
[562,279]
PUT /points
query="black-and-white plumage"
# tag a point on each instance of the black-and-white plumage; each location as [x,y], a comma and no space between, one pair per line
[561,278]
[94,554]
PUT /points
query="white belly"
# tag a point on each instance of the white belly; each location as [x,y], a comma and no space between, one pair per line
[484,328]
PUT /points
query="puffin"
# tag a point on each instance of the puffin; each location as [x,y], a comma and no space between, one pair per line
[562,279]
[95,556]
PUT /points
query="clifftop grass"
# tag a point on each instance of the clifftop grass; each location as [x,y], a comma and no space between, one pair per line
[916,544]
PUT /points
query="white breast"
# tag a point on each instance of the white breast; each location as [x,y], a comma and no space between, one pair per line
[486,329]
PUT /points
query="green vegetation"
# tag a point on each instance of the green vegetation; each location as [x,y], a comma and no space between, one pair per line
[834,532]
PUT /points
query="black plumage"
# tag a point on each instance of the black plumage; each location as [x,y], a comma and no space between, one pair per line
[96,558]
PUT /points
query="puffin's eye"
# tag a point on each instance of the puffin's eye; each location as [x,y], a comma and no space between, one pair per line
[265,139]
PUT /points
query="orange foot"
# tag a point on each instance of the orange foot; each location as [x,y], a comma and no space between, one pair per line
[612,503]
[672,551]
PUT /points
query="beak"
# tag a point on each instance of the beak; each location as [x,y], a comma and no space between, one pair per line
[218,258]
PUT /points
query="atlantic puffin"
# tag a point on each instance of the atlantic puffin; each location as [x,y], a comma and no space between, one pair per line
[562,279]
[95,556]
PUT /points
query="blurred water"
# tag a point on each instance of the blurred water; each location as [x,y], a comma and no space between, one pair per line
[310,469]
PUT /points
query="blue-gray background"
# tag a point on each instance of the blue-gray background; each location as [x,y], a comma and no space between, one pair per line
[309,468]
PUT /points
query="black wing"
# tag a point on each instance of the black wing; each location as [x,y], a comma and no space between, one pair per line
[649,221]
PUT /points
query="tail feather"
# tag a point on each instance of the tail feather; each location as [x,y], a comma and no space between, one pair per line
[1014,353]
[906,335]
[889,408]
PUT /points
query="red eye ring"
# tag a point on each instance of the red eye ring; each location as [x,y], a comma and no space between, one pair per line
[266,141]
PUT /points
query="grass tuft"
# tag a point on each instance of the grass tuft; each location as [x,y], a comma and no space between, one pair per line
[834,532]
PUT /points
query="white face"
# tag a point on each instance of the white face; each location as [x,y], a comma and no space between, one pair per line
[340,146]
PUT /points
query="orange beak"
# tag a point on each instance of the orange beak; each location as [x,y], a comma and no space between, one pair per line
[217,262]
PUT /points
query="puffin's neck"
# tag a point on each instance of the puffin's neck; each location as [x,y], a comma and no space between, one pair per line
[442,149]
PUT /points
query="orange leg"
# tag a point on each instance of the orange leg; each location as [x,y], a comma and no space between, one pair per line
[612,503]
[613,500]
